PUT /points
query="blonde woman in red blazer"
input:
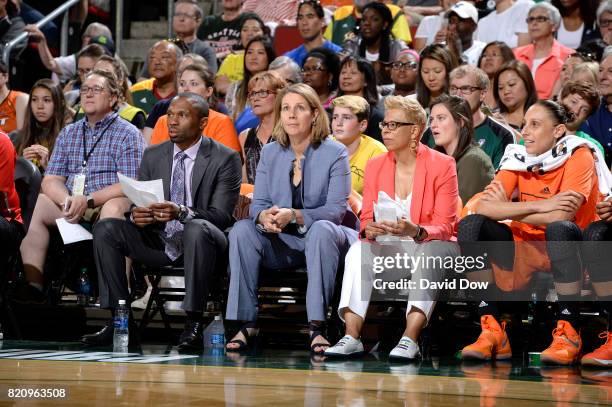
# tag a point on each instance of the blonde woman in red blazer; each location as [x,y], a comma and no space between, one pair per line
[426,181]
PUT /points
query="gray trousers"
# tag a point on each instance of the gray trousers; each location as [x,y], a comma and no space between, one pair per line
[115,239]
[320,250]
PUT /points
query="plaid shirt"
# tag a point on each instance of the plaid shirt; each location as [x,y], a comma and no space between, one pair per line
[120,150]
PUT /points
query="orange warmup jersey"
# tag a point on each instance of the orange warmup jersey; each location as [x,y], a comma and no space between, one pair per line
[577,174]
[219,128]
[8,112]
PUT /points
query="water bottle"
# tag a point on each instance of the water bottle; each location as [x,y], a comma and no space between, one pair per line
[217,334]
[84,288]
[121,334]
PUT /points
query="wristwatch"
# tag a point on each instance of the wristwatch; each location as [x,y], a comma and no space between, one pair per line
[90,202]
[183,212]
[420,234]
[293,216]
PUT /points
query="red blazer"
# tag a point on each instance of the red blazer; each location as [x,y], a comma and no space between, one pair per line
[434,191]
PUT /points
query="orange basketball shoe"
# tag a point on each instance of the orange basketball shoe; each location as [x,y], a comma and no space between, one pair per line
[492,343]
[565,347]
[601,356]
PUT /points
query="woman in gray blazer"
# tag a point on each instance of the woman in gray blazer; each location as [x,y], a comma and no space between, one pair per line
[299,215]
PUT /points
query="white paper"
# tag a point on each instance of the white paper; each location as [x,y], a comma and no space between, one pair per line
[142,193]
[72,232]
[390,210]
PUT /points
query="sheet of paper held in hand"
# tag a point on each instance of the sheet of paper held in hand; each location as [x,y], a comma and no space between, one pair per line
[142,193]
[72,232]
[389,210]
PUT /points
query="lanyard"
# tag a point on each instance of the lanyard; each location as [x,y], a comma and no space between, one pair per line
[86,155]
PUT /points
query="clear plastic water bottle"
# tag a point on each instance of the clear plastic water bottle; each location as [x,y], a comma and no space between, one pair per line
[121,334]
[217,333]
[84,288]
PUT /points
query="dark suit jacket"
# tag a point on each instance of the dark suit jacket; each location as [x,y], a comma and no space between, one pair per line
[215,181]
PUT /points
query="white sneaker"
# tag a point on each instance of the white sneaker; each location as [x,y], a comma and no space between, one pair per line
[347,346]
[406,349]
[141,303]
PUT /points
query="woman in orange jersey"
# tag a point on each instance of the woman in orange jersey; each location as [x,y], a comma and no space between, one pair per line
[13,104]
[558,180]
[197,79]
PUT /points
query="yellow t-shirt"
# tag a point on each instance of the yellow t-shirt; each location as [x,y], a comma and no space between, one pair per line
[233,67]
[368,148]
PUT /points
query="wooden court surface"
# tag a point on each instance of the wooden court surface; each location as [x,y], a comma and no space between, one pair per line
[113,384]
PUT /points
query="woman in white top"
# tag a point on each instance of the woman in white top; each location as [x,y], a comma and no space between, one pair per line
[578,21]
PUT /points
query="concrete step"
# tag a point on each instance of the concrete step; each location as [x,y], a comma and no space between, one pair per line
[149,29]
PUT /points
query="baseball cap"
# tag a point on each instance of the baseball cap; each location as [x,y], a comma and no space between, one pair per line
[464,10]
[105,42]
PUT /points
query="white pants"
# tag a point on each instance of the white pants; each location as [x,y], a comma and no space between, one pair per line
[357,284]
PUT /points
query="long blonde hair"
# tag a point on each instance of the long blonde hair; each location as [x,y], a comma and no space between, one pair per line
[320,126]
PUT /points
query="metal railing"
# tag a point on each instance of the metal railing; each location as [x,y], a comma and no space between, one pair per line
[63,9]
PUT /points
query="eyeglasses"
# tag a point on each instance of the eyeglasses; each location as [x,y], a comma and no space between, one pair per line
[95,89]
[393,125]
[605,23]
[185,15]
[539,19]
[465,90]
[260,94]
[314,69]
[404,65]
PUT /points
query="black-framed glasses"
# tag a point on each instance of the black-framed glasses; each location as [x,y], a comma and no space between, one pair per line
[313,69]
[465,90]
[260,94]
[95,89]
[404,65]
[393,125]
[539,19]
[604,23]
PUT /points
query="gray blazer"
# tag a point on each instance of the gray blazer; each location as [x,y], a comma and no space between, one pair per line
[215,181]
[326,183]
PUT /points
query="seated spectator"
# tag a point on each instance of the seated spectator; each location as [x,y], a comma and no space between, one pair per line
[375,42]
[219,127]
[435,66]
[577,24]
[453,132]
[263,88]
[357,78]
[223,31]
[458,35]
[404,72]
[580,100]
[545,55]
[507,23]
[347,19]
[45,117]
[566,72]
[65,68]
[425,182]
[86,60]
[493,56]
[604,21]
[310,24]
[321,71]
[598,125]
[349,121]
[11,224]
[258,54]
[471,83]
[81,176]
[186,18]
[13,106]
[586,72]
[163,59]
[299,216]
[289,71]
[201,183]
[232,68]
[558,187]
[596,259]
[126,111]
[514,91]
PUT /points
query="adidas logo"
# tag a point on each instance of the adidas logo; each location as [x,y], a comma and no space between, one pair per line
[566,312]
[143,100]
[482,304]
[545,191]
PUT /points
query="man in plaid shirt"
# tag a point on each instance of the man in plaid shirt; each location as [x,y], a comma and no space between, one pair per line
[80,183]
